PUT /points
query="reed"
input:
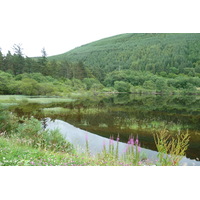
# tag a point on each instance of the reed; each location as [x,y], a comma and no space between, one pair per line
[171,149]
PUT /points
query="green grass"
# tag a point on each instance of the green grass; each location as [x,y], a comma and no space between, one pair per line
[55,110]
[14,154]
[11,99]
[8,100]
[8,104]
[49,100]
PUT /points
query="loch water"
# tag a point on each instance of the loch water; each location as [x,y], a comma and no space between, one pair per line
[125,115]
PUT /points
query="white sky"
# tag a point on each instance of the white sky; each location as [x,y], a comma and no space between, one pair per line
[61,25]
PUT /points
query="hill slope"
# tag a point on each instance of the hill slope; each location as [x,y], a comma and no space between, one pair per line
[156,52]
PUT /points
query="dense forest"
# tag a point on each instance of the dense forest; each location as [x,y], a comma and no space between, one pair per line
[137,63]
[163,53]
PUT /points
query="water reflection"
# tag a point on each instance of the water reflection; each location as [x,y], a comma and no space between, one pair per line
[77,137]
[138,115]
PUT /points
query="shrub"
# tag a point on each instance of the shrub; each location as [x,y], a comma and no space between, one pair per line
[89,82]
[122,86]
[171,149]
[29,128]
[7,121]
[53,140]
[32,133]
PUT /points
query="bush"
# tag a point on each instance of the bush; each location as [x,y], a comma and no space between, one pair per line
[161,85]
[7,121]
[89,82]
[149,85]
[53,140]
[29,128]
[29,87]
[122,86]
[32,133]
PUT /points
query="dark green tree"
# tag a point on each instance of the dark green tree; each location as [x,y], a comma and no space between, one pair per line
[161,85]
[1,60]
[43,62]
[8,63]
[122,86]
[89,82]
[18,59]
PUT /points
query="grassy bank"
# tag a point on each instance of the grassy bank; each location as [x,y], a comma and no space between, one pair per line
[24,142]
[12,153]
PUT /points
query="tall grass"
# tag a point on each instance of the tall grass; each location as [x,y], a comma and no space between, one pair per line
[171,149]
[131,155]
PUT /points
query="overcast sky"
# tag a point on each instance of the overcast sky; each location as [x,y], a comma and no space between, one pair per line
[61,25]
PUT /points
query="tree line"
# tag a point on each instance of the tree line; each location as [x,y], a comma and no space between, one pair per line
[39,76]
[17,63]
[20,74]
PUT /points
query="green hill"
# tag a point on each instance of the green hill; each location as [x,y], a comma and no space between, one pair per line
[131,62]
[154,52]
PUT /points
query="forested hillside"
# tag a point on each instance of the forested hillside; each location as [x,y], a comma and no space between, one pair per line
[157,53]
[133,62]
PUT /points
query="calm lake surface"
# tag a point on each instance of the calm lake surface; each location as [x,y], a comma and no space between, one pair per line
[136,115]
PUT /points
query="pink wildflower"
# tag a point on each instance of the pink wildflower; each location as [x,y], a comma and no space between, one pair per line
[136,141]
[132,141]
[32,163]
[111,141]
[86,137]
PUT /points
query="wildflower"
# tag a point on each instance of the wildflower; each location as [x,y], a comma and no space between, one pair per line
[86,137]
[132,141]
[32,163]
[136,141]
[126,149]
[117,139]
[111,141]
